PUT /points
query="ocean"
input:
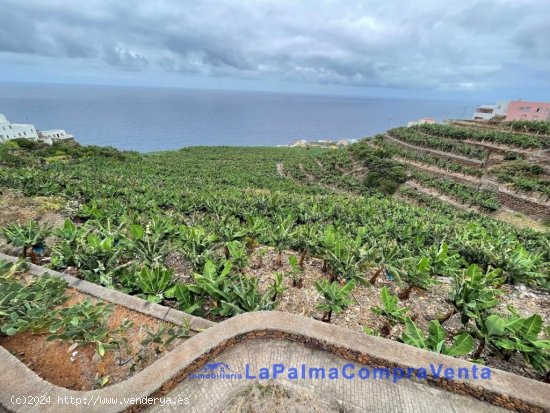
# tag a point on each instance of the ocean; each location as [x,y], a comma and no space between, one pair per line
[153,119]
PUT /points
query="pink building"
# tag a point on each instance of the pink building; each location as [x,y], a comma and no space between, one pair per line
[522,110]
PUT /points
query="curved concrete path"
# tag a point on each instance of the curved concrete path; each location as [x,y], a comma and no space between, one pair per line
[261,339]
[356,395]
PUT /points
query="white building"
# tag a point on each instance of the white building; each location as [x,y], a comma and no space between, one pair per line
[10,131]
[486,112]
[16,130]
[53,135]
[423,121]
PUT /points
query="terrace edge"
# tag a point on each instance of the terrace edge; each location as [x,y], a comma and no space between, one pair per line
[16,379]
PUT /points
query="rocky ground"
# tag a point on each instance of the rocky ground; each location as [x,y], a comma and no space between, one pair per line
[424,306]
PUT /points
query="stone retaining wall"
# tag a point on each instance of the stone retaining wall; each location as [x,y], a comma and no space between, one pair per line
[504,389]
[530,208]
[453,158]
[515,202]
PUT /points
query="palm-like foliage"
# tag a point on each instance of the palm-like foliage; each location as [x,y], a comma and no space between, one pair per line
[435,341]
[153,282]
[281,236]
[418,275]
[513,334]
[335,297]
[196,244]
[226,195]
[27,236]
[390,307]
[474,293]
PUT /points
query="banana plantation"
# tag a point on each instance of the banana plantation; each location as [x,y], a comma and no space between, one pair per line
[220,231]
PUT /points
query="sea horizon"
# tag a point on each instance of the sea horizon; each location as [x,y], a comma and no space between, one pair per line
[150,119]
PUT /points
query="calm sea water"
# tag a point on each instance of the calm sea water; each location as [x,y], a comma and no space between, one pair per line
[151,119]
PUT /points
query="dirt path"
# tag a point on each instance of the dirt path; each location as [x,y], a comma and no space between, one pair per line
[306,174]
[505,148]
[436,194]
[436,152]
[430,168]
[333,188]
[503,214]
[476,182]
[489,127]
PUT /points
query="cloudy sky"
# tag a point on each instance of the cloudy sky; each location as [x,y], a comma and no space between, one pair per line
[475,49]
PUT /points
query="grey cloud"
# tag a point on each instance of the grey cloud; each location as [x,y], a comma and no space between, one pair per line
[124,58]
[429,44]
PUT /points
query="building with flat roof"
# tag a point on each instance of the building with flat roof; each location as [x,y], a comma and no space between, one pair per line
[10,130]
[53,135]
[486,112]
[422,121]
[523,110]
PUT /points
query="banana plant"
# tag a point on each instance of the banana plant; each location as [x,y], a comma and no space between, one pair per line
[244,296]
[306,236]
[237,254]
[146,244]
[281,236]
[231,230]
[383,256]
[327,242]
[474,293]
[418,276]
[335,297]
[188,301]
[444,262]
[435,341]
[277,287]
[97,258]
[390,307]
[513,333]
[68,232]
[519,265]
[28,236]
[153,281]
[213,282]
[257,228]
[196,244]
[296,272]
[345,256]
[72,240]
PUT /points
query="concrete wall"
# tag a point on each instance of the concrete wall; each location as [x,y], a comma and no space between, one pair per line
[522,110]
[16,379]
[486,112]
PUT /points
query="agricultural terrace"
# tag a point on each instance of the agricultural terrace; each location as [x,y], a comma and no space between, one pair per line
[341,235]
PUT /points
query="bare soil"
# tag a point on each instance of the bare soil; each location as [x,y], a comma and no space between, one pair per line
[17,208]
[60,363]
[424,305]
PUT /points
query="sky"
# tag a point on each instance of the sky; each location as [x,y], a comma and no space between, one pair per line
[445,49]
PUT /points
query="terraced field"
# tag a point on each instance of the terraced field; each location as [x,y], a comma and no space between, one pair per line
[333,234]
